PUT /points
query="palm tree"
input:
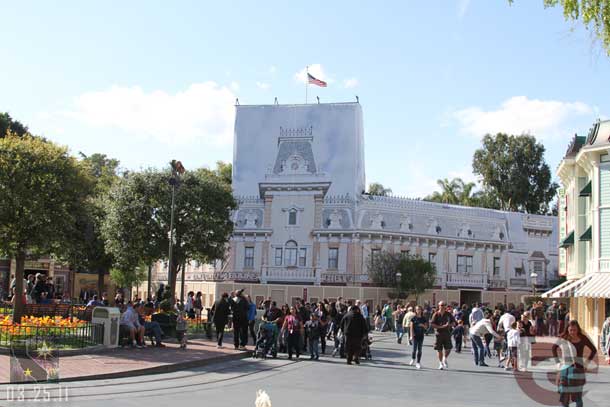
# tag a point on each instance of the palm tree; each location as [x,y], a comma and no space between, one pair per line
[376,188]
[454,191]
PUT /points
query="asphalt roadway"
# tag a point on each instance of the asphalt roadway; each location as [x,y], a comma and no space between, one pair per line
[387,380]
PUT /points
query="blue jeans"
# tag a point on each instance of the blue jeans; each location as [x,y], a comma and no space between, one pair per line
[154,328]
[399,332]
[418,342]
[478,348]
[314,347]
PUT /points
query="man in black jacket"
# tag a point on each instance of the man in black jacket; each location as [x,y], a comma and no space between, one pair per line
[239,308]
[354,328]
[220,312]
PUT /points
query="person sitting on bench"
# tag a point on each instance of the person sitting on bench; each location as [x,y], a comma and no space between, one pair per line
[129,319]
[151,328]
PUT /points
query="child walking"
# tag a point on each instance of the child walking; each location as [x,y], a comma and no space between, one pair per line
[458,336]
[313,330]
[513,337]
[181,328]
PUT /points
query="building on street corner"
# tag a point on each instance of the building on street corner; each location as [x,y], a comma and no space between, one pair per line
[584,232]
[305,228]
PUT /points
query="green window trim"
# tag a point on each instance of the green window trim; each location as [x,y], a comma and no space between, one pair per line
[586,190]
[568,241]
[586,236]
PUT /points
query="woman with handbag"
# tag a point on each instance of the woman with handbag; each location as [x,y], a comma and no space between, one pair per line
[573,364]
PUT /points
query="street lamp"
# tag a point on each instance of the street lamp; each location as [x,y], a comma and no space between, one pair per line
[534,276]
[177,170]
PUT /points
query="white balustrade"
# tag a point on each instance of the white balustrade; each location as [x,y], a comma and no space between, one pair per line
[466,280]
[604,265]
[297,274]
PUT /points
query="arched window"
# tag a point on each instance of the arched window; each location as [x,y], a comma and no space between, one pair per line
[292,217]
[290,253]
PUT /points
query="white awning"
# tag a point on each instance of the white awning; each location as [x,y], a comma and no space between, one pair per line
[567,289]
[597,287]
[552,291]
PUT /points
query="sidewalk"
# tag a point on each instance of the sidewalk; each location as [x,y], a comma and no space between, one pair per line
[126,362]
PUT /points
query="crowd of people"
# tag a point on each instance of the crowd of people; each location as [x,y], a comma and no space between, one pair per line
[37,289]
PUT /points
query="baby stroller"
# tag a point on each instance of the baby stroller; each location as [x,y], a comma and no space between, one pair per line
[266,341]
[365,351]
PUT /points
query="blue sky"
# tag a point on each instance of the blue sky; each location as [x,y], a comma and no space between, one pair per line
[150,81]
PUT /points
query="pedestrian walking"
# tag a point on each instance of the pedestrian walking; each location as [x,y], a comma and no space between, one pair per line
[239,310]
[443,322]
[251,318]
[354,328]
[458,336]
[418,328]
[293,329]
[399,315]
[406,323]
[573,364]
[220,317]
[313,330]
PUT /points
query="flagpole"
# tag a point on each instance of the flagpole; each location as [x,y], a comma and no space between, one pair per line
[306,82]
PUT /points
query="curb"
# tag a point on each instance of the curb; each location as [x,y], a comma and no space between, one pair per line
[169,368]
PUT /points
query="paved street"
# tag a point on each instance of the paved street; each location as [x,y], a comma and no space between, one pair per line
[385,381]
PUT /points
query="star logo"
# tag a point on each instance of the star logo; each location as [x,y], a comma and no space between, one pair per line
[44,351]
[27,372]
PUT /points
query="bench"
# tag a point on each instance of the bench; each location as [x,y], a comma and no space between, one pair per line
[43,310]
[167,323]
[85,314]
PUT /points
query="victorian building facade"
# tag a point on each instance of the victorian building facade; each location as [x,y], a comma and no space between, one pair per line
[584,231]
[305,228]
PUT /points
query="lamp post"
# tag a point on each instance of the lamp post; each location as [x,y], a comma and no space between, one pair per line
[177,170]
[398,278]
[534,276]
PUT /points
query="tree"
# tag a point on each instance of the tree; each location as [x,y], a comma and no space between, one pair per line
[7,124]
[90,252]
[455,192]
[128,278]
[594,14]
[376,188]
[416,274]
[137,225]
[44,191]
[513,168]
[224,171]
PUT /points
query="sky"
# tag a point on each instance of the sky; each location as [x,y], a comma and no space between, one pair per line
[151,81]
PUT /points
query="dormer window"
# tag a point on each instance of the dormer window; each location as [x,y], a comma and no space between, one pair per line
[292,217]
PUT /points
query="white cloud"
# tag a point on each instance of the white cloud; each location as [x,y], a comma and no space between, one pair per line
[316,70]
[203,111]
[350,83]
[462,8]
[272,69]
[235,86]
[519,114]
[263,85]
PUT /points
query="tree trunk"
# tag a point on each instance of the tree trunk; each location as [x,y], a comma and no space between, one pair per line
[100,282]
[18,307]
[173,277]
[182,283]
[149,284]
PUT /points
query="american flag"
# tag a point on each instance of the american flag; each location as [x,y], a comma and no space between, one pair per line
[314,81]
